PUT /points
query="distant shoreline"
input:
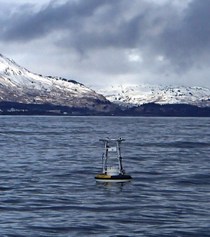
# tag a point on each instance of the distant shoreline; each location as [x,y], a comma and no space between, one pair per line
[146,110]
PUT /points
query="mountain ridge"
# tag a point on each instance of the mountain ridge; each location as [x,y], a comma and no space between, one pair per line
[24,92]
[19,85]
[135,95]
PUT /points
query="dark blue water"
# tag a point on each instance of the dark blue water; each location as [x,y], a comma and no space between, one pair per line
[47,185]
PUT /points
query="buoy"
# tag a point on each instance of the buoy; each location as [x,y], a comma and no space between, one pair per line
[112,172]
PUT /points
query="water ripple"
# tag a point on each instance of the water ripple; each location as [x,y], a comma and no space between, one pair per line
[47,185]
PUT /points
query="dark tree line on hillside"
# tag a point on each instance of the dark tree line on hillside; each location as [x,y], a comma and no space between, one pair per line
[151,109]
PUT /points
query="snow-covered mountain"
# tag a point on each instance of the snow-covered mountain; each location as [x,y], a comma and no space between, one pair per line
[134,95]
[17,84]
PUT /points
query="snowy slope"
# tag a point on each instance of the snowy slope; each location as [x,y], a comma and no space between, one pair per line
[17,84]
[20,85]
[133,95]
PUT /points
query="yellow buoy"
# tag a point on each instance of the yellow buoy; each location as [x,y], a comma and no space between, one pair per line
[112,172]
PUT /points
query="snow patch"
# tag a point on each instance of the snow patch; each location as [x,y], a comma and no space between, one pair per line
[134,95]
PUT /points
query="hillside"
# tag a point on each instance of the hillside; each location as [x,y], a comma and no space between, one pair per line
[136,95]
[18,85]
[24,92]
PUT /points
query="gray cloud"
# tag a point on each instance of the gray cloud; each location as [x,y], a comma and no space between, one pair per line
[181,37]
[25,24]
[86,17]
[188,40]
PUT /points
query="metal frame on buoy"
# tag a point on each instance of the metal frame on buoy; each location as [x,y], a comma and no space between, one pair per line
[112,173]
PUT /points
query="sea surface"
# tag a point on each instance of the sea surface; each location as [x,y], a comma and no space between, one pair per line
[48,164]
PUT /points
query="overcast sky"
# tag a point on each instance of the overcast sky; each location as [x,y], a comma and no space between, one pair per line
[103,42]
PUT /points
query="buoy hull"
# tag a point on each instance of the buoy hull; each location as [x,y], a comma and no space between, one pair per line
[113,178]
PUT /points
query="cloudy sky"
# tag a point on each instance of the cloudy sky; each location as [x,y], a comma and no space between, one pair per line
[100,42]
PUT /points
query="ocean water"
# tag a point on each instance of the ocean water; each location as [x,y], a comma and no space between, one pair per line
[48,164]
